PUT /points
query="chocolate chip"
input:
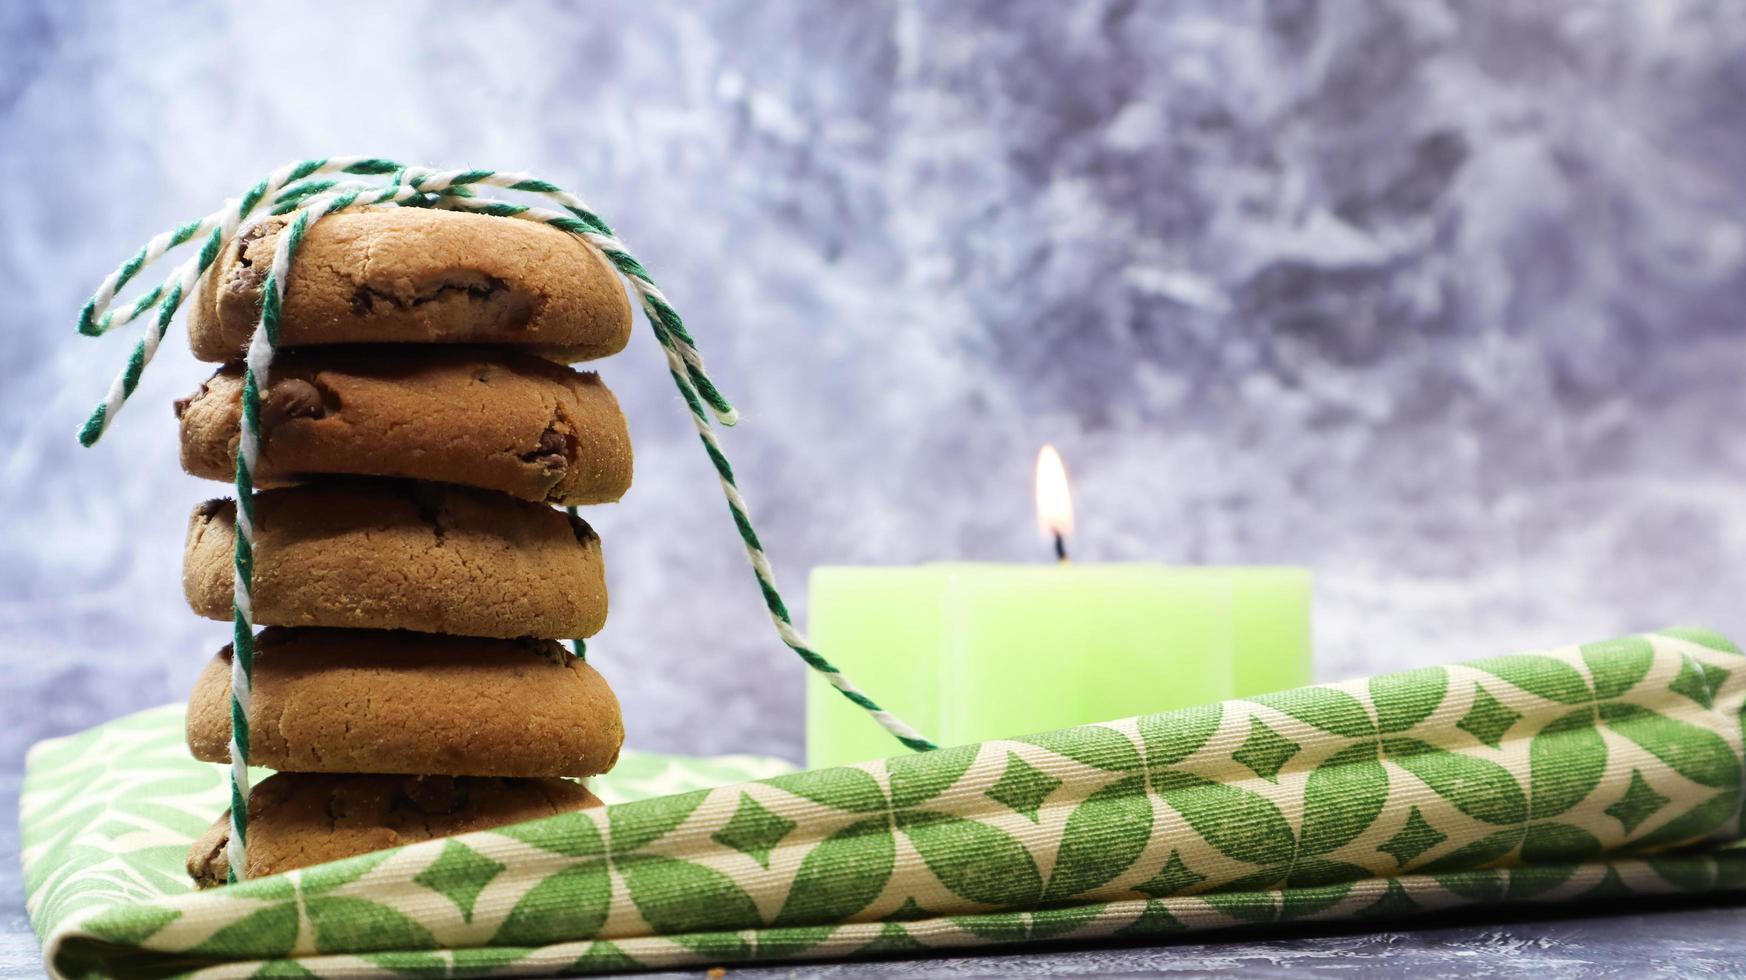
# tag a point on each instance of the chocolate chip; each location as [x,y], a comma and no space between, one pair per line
[553,451]
[365,297]
[209,509]
[248,275]
[292,398]
[250,235]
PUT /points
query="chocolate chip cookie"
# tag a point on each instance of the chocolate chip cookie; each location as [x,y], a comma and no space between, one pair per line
[418,275]
[388,554]
[297,820]
[357,701]
[484,417]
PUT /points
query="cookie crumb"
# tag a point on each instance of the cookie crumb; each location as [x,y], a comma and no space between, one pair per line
[716,972]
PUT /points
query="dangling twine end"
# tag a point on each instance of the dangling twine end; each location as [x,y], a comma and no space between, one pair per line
[88,319]
[92,430]
[729,418]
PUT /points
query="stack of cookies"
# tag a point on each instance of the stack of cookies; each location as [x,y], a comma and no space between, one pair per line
[411,572]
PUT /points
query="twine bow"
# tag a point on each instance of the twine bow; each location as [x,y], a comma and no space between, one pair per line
[304,193]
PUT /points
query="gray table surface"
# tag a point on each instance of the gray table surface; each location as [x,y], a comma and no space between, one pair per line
[1673,938]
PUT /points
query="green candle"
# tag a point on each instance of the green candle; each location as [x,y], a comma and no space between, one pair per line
[971,652]
[968,652]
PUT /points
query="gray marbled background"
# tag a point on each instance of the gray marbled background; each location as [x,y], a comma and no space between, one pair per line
[1440,299]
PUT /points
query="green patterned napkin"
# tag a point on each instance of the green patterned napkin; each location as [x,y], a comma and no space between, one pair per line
[1606,770]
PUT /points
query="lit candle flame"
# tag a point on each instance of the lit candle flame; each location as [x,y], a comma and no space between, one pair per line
[1054,502]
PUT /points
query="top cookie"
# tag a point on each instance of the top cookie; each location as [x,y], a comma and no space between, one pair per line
[418,275]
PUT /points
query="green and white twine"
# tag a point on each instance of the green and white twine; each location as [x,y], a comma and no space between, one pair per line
[305,193]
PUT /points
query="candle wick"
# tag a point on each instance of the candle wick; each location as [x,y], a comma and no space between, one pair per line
[1060,547]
